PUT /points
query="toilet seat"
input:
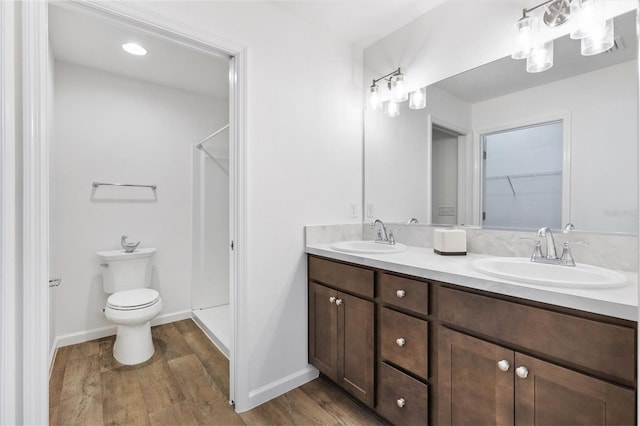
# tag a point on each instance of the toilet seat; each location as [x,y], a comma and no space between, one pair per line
[129,300]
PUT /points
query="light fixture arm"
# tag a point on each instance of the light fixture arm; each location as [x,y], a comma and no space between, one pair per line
[391,74]
[525,11]
[557,14]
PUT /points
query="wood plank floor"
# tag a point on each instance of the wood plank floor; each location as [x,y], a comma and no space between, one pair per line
[186,382]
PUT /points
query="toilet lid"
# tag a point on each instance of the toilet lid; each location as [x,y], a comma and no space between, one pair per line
[133,299]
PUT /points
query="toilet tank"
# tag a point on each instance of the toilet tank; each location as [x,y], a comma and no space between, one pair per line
[125,271]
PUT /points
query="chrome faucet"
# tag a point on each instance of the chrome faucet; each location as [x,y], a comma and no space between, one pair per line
[383,237]
[552,255]
[551,244]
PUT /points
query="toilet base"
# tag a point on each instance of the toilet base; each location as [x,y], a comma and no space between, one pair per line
[134,344]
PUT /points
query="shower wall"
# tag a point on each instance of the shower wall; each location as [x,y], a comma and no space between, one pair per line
[210,285]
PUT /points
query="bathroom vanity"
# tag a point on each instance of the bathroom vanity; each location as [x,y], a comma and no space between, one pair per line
[419,350]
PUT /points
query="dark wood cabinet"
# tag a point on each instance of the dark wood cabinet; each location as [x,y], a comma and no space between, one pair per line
[323,330]
[484,383]
[341,339]
[552,395]
[420,352]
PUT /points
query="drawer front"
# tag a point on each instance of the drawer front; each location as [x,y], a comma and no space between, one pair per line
[401,399]
[605,348]
[405,293]
[404,342]
[343,277]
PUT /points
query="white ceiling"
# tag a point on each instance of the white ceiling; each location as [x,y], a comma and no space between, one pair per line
[361,22]
[92,41]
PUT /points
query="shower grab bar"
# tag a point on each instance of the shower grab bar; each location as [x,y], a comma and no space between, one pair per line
[97,184]
[214,134]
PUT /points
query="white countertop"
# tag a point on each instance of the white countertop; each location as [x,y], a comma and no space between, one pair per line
[620,302]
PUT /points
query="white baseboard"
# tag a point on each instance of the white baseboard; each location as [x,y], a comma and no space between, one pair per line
[52,354]
[98,333]
[279,387]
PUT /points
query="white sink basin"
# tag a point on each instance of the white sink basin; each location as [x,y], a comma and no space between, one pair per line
[368,247]
[523,270]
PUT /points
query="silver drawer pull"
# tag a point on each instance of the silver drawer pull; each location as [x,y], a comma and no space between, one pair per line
[338,302]
[401,402]
[401,341]
[522,372]
[504,365]
[401,293]
[332,299]
[55,282]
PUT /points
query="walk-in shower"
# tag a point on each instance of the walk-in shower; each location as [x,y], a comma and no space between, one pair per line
[210,279]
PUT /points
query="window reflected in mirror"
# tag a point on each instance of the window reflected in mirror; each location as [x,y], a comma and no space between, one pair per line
[522,179]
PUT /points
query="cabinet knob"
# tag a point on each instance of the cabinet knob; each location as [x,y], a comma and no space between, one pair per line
[522,372]
[332,299]
[401,402]
[504,365]
[338,302]
[401,293]
[401,341]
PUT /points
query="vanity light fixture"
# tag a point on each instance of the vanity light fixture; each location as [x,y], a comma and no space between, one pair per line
[398,93]
[397,87]
[134,49]
[588,25]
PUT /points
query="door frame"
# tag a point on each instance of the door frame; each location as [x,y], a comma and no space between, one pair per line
[464,136]
[35,369]
[8,256]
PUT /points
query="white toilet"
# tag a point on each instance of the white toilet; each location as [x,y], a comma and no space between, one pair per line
[131,305]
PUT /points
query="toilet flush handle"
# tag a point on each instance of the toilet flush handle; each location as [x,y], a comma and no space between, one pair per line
[104,265]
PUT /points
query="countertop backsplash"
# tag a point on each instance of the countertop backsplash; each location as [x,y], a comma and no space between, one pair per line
[613,251]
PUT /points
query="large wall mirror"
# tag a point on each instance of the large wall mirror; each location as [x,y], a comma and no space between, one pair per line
[502,148]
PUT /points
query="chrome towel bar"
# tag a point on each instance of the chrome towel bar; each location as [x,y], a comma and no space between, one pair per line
[97,184]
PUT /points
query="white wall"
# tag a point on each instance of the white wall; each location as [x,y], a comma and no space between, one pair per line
[304,166]
[397,182]
[603,112]
[115,129]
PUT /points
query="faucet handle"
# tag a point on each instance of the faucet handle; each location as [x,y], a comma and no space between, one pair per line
[537,250]
[567,258]
[391,239]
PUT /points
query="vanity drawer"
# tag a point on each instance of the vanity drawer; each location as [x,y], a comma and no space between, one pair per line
[401,399]
[404,341]
[598,346]
[343,277]
[404,293]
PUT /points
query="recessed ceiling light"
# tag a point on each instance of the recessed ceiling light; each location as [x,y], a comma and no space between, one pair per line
[134,49]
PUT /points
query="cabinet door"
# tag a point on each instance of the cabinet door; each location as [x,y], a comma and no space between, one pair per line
[355,331]
[323,330]
[472,388]
[548,394]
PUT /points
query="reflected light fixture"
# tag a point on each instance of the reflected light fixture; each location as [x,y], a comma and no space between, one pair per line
[587,21]
[418,98]
[391,109]
[397,89]
[134,49]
